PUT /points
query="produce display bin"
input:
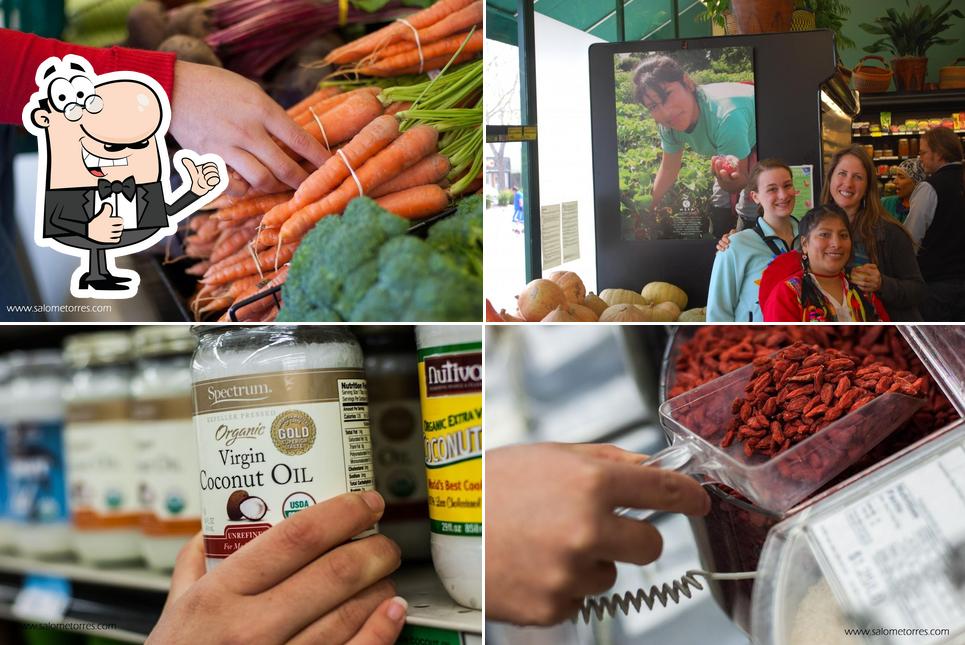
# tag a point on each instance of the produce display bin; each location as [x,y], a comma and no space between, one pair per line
[732,536]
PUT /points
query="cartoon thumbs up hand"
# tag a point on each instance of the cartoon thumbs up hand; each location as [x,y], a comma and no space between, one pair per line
[203,178]
[105,228]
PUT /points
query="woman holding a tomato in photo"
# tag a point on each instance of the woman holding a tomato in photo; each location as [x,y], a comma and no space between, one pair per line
[716,120]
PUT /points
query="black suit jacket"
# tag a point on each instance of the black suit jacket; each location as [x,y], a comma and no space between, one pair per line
[67,211]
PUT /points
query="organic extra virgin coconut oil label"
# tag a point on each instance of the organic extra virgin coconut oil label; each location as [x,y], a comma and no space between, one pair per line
[450,386]
[273,444]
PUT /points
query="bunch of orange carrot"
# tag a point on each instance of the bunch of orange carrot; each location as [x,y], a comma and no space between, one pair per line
[243,246]
[425,40]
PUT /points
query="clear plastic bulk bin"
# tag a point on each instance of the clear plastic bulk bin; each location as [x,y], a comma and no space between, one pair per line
[732,536]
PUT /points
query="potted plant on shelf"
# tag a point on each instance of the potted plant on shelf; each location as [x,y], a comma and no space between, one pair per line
[826,14]
[908,36]
[751,16]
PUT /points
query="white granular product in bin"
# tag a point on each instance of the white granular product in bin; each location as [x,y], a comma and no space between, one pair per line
[819,619]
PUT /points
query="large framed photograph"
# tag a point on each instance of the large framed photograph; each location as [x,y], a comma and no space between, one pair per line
[686,140]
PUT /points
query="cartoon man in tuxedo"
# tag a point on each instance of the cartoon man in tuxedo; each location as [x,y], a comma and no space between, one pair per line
[106,189]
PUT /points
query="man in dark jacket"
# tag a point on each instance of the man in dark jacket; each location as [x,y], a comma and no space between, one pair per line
[939,228]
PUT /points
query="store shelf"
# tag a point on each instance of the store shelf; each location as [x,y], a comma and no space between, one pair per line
[430,605]
[882,135]
[129,578]
[930,99]
[132,597]
[78,627]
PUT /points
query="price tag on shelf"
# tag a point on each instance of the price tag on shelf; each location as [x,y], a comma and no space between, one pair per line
[43,598]
[888,556]
[420,635]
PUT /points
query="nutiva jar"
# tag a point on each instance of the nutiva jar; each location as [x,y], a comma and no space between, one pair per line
[36,455]
[165,447]
[450,388]
[281,414]
[101,462]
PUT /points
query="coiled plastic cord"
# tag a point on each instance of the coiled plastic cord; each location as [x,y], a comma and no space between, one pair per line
[609,605]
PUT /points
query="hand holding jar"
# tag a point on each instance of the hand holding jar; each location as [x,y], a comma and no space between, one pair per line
[302,581]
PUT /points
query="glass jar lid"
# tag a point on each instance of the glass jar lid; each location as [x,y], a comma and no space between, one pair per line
[102,348]
[163,340]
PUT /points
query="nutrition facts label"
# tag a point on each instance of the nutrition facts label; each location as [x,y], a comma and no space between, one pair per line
[353,398]
[896,556]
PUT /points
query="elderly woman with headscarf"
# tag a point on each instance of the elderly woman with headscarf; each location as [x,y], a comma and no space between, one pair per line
[908,180]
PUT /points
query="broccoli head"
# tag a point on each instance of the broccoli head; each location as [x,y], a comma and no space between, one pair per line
[363,267]
[461,236]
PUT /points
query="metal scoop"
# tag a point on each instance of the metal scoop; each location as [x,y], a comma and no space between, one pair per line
[697,420]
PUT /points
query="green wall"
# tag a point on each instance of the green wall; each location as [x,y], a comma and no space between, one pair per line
[865,11]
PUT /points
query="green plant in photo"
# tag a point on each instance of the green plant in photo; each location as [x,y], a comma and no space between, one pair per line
[911,33]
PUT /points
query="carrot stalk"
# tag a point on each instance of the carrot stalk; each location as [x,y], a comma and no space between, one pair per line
[345,120]
[406,64]
[370,140]
[430,170]
[415,203]
[459,21]
[409,148]
[253,206]
[198,269]
[396,31]
[312,99]
[267,259]
[324,106]
[251,310]
[230,245]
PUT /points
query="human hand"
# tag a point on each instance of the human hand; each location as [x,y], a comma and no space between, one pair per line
[105,228]
[300,582]
[236,122]
[724,242]
[203,178]
[728,172]
[866,277]
[552,537]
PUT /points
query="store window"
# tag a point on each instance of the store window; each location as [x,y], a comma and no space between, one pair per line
[503,171]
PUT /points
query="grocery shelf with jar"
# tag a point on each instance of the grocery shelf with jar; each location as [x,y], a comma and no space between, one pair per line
[94,507]
[889,125]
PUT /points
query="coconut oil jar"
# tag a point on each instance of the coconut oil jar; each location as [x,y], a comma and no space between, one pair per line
[36,472]
[281,414]
[101,461]
[165,445]
[6,526]
[450,388]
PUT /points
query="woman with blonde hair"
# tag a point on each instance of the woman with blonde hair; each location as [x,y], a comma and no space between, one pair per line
[884,255]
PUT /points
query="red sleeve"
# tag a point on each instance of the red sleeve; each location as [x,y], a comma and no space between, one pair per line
[880,308]
[24,52]
[782,305]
